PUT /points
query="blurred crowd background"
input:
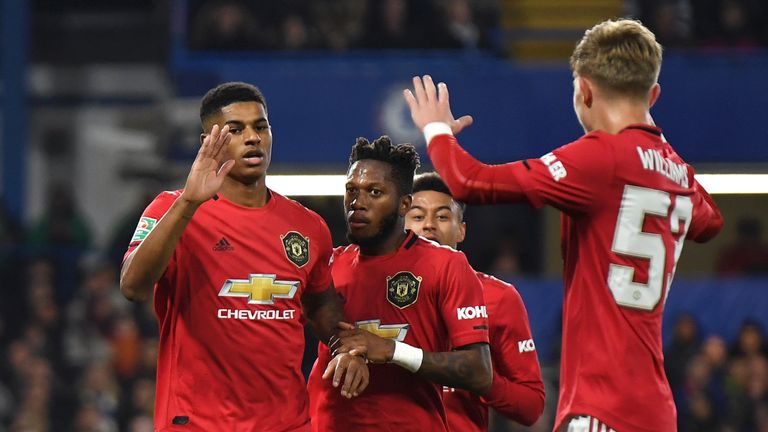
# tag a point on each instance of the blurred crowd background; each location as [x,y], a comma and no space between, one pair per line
[106,119]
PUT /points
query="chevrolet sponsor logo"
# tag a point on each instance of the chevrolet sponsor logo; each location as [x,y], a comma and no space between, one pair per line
[387,331]
[259,289]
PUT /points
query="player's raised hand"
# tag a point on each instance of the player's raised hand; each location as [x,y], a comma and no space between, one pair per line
[208,172]
[431,104]
[353,369]
[363,343]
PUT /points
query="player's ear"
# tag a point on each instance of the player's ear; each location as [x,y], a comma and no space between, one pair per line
[462,232]
[202,137]
[585,86]
[653,96]
[405,204]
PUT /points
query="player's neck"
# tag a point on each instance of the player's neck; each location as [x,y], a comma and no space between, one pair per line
[387,245]
[245,194]
[614,116]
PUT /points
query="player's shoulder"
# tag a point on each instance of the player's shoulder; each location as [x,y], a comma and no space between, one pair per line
[495,288]
[436,249]
[291,209]
[164,200]
[343,252]
[169,195]
[588,145]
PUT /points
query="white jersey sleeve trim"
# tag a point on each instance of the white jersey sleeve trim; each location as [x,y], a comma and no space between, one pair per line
[434,129]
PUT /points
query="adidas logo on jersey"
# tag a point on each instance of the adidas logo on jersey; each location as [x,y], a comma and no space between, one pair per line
[223,245]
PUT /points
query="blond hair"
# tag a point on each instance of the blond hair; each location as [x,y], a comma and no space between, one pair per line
[619,55]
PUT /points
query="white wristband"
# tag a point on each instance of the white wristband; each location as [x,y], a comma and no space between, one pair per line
[407,357]
[434,129]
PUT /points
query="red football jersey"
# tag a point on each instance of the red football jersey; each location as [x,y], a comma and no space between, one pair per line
[423,294]
[229,310]
[517,391]
[628,202]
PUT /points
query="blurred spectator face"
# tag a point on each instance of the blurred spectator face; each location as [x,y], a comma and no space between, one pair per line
[733,16]
[19,357]
[294,32]
[750,340]
[700,408]
[141,424]
[698,373]
[144,396]
[394,14]
[89,419]
[40,272]
[149,355]
[230,20]
[98,378]
[459,12]
[714,350]
[101,280]
[686,329]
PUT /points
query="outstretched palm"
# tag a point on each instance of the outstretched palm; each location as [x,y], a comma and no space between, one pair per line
[430,104]
[207,173]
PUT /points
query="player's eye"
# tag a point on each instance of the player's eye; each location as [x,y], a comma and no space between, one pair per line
[418,218]
[376,192]
[235,131]
[262,128]
[443,218]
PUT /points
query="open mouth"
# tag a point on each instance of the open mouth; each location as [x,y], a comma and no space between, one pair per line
[253,157]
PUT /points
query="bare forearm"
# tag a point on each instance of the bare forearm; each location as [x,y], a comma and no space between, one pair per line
[468,369]
[323,312]
[144,267]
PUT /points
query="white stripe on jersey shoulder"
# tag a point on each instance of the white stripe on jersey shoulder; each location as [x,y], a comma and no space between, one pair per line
[434,243]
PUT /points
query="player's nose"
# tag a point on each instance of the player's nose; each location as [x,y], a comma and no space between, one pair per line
[252,136]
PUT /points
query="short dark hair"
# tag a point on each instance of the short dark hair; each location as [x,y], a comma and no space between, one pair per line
[403,159]
[431,181]
[228,93]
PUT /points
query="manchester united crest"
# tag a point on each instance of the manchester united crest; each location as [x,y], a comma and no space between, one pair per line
[403,289]
[296,248]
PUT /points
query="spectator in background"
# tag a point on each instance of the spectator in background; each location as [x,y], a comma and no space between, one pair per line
[670,20]
[295,34]
[389,25]
[750,342]
[738,25]
[747,254]
[228,26]
[679,353]
[506,261]
[339,22]
[460,25]
[62,224]
[62,234]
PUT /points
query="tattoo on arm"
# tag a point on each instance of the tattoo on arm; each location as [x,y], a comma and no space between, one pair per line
[323,312]
[468,367]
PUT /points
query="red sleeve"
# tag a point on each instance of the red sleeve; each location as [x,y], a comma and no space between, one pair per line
[152,214]
[517,391]
[707,220]
[462,304]
[567,178]
[470,180]
[320,276]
